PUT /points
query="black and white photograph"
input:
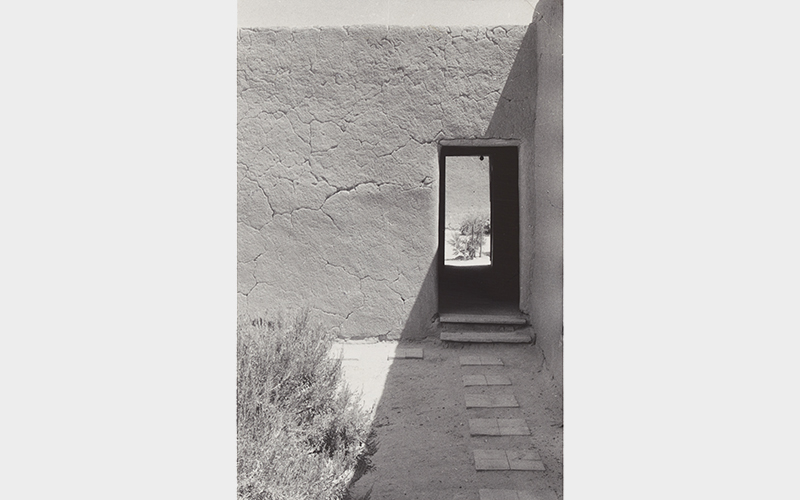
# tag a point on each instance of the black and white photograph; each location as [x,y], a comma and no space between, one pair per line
[399,239]
[399,250]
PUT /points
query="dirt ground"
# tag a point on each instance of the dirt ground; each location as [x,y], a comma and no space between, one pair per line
[421,419]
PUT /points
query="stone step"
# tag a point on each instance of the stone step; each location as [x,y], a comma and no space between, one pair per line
[477,327]
[486,337]
[484,319]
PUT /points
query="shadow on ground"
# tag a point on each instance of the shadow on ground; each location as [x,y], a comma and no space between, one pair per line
[422,423]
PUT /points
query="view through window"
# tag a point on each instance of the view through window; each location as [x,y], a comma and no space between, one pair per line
[467,207]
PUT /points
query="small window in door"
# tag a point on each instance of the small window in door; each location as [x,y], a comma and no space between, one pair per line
[467,212]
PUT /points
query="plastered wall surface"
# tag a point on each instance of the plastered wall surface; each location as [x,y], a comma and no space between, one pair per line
[546,261]
[338,164]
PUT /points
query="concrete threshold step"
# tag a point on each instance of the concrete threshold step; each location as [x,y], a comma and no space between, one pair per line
[486,337]
[484,319]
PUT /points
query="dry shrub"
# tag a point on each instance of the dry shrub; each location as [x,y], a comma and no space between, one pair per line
[301,434]
[468,242]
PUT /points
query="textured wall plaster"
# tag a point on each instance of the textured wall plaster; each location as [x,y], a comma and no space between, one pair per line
[338,163]
[547,259]
[531,108]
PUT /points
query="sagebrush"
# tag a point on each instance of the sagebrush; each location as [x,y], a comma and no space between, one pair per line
[467,243]
[300,433]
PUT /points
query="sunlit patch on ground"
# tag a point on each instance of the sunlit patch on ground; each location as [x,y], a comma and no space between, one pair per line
[365,367]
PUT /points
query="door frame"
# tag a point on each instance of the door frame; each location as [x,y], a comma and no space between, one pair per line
[498,282]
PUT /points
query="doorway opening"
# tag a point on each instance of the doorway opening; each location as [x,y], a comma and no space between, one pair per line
[478,261]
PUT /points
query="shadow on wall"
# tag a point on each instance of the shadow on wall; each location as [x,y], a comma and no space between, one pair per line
[513,116]
[420,321]
[533,95]
[423,401]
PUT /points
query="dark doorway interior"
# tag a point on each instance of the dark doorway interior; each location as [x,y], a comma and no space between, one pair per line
[491,288]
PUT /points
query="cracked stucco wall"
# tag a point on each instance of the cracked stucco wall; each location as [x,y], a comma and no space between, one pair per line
[546,260]
[338,164]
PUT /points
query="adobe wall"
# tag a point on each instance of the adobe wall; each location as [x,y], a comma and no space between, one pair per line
[338,171]
[547,257]
[338,164]
[531,109]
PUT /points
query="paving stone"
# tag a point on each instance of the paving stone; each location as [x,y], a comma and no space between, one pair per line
[523,455]
[490,460]
[524,460]
[407,353]
[498,494]
[491,361]
[470,380]
[484,427]
[525,465]
[491,401]
[480,361]
[529,495]
[470,360]
[513,427]
[473,380]
[497,380]
[486,494]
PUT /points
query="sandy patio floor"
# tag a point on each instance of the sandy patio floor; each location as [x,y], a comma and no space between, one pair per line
[426,449]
